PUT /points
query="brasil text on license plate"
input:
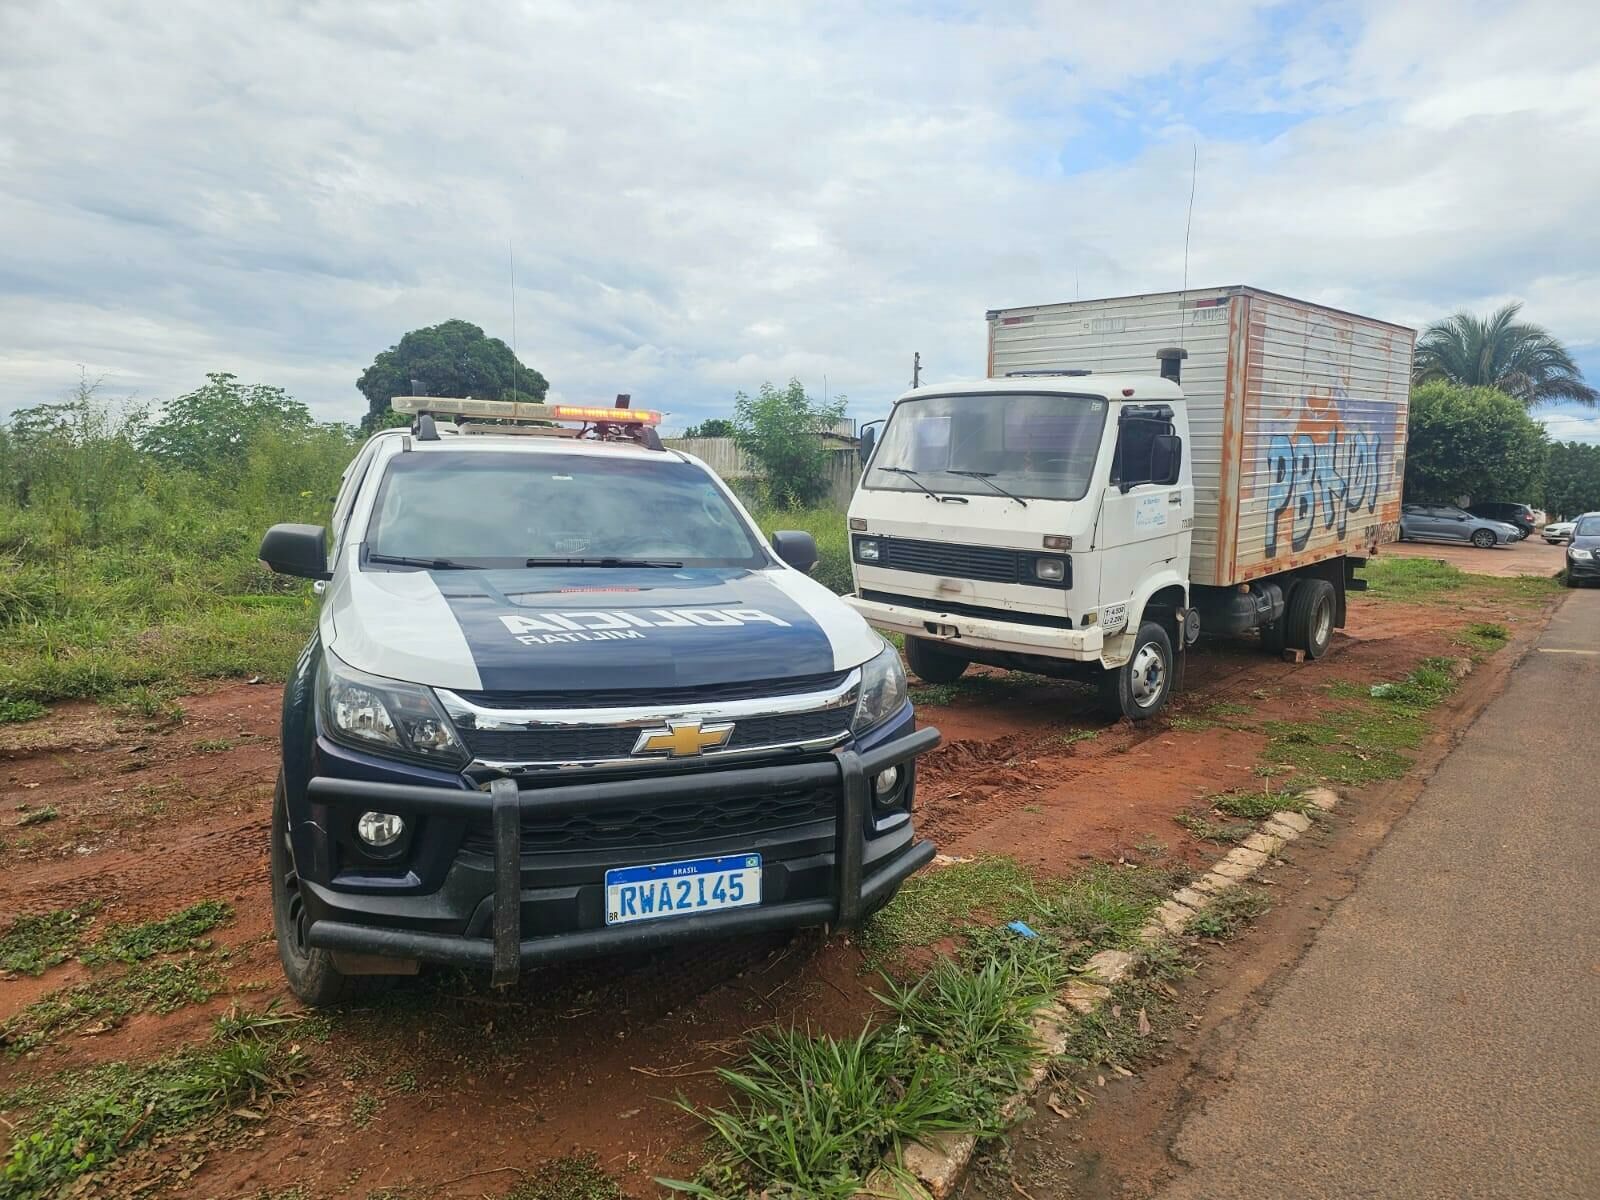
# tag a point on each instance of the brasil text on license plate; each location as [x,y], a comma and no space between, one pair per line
[680,888]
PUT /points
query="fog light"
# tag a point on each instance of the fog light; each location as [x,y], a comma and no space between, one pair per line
[1051,570]
[888,779]
[380,829]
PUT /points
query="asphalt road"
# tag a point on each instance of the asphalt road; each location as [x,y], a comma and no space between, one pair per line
[1441,1037]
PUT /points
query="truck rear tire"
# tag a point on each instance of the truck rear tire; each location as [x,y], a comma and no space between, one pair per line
[1308,620]
[932,665]
[1140,687]
[310,971]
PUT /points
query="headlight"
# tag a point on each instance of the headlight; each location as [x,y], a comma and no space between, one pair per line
[1580,553]
[1051,570]
[883,691]
[386,715]
[867,550]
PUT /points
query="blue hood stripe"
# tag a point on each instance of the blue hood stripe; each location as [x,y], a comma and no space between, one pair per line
[609,628]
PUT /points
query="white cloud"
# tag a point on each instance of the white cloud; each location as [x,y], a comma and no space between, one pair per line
[743,192]
[1570,426]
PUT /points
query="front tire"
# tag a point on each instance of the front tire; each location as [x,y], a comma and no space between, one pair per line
[1483,539]
[1141,687]
[932,665]
[1308,620]
[312,977]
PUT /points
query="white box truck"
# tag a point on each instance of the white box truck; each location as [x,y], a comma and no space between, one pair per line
[1134,471]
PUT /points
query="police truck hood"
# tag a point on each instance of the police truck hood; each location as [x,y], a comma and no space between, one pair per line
[589,628]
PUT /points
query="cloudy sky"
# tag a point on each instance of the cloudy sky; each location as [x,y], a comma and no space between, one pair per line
[756,191]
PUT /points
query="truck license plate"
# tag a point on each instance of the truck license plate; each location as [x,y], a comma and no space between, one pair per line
[678,889]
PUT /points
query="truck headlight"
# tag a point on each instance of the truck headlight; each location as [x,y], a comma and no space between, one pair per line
[883,691]
[868,550]
[385,715]
[1051,570]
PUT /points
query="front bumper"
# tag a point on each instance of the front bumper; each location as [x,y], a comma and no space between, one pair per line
[984,633]
[534,915]
[1583,568]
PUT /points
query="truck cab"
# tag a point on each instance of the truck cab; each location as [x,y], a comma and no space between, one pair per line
[1041,522]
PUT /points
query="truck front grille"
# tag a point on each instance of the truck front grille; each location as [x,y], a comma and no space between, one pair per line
[656,826]
[990,564]
[597,743]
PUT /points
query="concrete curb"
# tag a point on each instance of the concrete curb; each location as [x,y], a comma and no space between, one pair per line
[933,1170]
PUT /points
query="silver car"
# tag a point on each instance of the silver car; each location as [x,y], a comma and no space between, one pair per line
[1447,523]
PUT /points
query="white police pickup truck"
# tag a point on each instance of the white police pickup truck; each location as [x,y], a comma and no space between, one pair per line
[563,699]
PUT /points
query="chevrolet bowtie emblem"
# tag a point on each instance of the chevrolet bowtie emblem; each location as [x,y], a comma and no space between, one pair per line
[682,739]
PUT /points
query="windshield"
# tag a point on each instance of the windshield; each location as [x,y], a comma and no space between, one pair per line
[503,509]
[1035,446]
[1587,527]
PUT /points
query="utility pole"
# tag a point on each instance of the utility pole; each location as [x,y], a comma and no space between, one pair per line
[916,370]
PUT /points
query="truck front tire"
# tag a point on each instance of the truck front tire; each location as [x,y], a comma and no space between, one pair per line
[1308,620]
[932,665]
[1140,687]
[312,977]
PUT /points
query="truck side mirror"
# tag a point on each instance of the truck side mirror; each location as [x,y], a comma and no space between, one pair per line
[300,550]
[869,439]
[797,548]
[1166,457]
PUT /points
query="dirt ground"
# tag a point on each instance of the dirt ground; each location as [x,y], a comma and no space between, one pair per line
[448,1089]
[1531,556]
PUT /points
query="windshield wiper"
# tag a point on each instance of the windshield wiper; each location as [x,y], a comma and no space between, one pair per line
[912,475]
[432,564]
[985,476]
[601,562]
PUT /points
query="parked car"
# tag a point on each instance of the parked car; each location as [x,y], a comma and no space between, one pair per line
[1447,523]
[1519,516]
[1558,531]
[1583,554]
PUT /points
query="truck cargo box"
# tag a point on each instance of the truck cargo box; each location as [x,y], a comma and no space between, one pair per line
[1297,413]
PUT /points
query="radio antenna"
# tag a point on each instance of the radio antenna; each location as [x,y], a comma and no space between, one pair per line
[516,363]
[1188,225]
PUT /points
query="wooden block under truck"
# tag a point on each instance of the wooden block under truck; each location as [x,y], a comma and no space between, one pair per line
[1135,471]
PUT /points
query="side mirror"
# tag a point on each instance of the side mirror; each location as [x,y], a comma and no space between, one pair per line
[869,439]
[797,548]
[1166,458]
[300,550]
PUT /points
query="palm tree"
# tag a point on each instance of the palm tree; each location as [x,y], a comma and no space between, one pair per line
[1501,352]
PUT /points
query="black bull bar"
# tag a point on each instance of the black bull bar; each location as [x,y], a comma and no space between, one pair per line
[506,953]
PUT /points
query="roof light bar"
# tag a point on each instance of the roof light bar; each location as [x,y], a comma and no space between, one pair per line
[522,410]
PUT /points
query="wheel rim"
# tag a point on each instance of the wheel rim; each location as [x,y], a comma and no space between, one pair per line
[294,902]
[1148,675]
[1322,624]
[1483,539]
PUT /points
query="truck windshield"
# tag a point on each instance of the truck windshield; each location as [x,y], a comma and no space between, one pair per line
[1039,447]
[490,509]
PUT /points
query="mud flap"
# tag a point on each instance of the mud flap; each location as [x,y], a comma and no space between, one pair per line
[507,818]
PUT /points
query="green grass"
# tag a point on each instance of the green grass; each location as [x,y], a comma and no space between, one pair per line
[38,816]
[828,527]
[1131,1024]
[1484,636]
[576,1177]
[1258,806]
[93,1117]
[1188,724]
[1428,580]
[1198,822]
[31,945]
[1073,736]
[18,708]
[935,904]
[1229,912]
[161,987]
[1223,709]
[213,745]
[183,930]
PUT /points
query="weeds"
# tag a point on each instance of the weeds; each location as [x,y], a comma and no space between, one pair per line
[181,931]
[934,904]
[1105,906]
[1426,580]
[213,745]
[31,945]
[1199,823]
[152,703]
[1484,636]
[157,987]
[577,1177]
[1187,724]
[1257,806]
[1228,912]
[38,816]
[14,708]
[1073,736]
[101,1114]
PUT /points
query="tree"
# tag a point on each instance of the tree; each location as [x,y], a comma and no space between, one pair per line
[711,427]
[1499,351]
[1471,441]
[781,431]
[452,359]
[212,426]
[1572,479]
